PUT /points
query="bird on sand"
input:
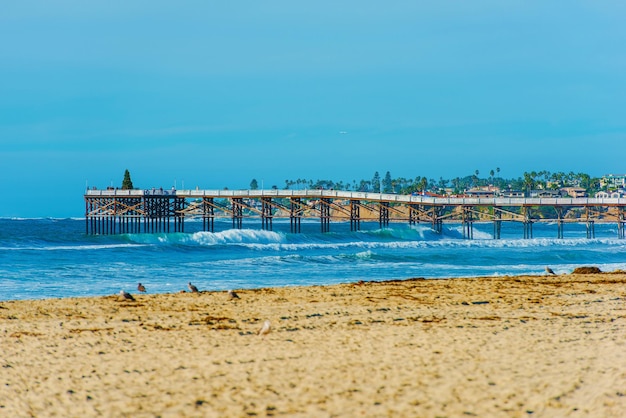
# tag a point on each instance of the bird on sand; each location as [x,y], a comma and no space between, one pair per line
[265,329]
[233,295]
[549,270]
[193,288]
[126,296]
[141,288]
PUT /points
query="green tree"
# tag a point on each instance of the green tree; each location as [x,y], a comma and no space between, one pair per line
[423,184]
[387,183]
[376,183]
[529,181]
[254,185]
[127,183]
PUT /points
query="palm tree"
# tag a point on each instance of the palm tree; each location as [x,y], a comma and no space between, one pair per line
[529,181]
[423,184]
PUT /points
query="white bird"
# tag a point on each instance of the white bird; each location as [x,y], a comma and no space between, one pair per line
[549,270]
[233,295]
[125,295]
[141,288]
[265,329]
[193,288]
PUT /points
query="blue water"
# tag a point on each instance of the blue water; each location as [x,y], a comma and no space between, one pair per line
[51,258]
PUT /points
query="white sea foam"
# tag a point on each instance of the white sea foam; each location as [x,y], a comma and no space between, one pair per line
[237,236]
[364,254]
[279,245]
[202,238]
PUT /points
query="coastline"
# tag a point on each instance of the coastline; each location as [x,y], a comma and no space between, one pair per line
[487,346]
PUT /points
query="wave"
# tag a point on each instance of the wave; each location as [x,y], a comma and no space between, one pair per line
[231,236]
[49,235]
[401,238]
[70,247]
[43,218]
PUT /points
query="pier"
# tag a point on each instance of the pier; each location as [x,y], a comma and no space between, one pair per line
[115,211]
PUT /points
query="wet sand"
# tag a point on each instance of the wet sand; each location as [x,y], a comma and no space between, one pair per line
[542,346]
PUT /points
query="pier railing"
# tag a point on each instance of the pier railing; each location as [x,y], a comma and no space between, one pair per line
[373,197]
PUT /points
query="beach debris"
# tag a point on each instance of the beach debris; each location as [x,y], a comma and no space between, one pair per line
[141,288]
[192,288]
[233,295]
[265,329]
[549,270]
[587,270]
[125,295]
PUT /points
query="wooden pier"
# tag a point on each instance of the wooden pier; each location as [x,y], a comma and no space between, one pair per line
[158,210]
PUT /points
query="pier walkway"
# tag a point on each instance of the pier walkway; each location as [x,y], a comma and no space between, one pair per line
[115,211]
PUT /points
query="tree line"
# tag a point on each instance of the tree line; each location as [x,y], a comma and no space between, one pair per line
[387,184]
[420,184]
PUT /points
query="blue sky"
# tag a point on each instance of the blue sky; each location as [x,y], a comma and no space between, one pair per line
[214,94]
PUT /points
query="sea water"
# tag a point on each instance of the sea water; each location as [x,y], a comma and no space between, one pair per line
[53,258]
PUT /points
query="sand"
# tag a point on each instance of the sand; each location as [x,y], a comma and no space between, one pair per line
[543,346]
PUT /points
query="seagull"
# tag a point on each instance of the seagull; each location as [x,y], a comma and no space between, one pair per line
[141,288]
[126,296]
[549,270]
[232,295]
[193,288]
[265,329]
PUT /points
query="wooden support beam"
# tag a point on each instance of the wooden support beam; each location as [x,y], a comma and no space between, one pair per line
[208,214]
[436,219]
[468,222]
[497,222]
[266,213]
[237,209]
[325,204]
[559,221]
[295,215]
[528,222]
[383,218]
[355,215]
[414,214]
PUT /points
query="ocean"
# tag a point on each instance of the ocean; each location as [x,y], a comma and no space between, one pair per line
[55,258]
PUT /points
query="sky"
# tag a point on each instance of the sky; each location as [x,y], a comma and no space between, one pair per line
[214,94]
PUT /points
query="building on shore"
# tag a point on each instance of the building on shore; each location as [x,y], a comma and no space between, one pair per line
[575,192]
[613,181]
[548,193]
[616,194]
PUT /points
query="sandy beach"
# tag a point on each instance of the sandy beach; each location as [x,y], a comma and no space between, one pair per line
[546,346]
